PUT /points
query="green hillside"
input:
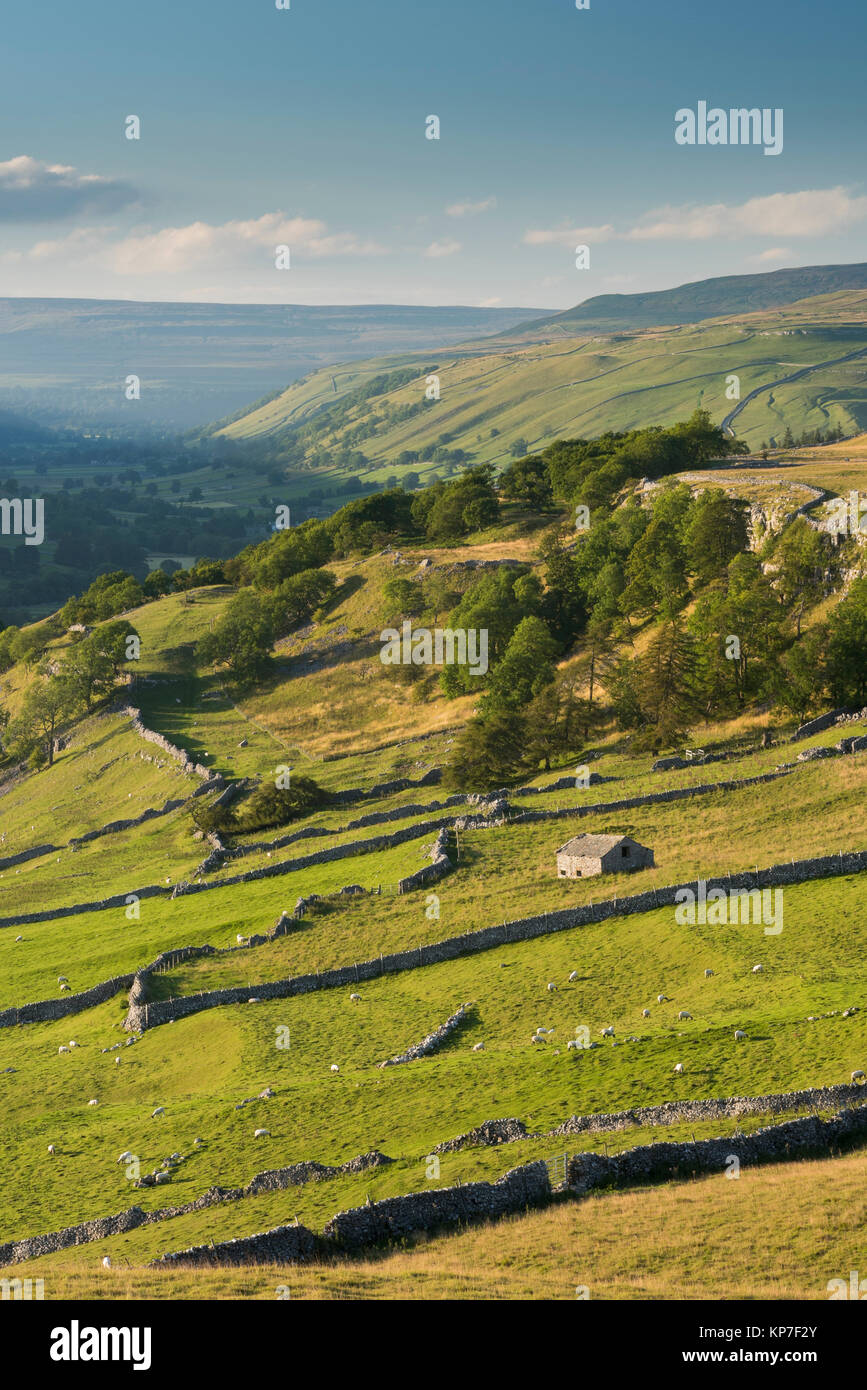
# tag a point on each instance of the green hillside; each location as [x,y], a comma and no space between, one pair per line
[317,698]
[513,397]
[702,299]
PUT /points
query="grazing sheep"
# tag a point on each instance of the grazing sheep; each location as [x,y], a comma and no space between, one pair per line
[117,1061]
[73,1043]
[106,1261]
[571,1045]
[160,1110]
[478,1047]
[62,980]
[19,938]
[51,1148]
[739,1035]
[607,1032]
[707,974]
[679,1068]
[858,1075]
[645,1013]
[537,1038]
[62,1048]
[573,977]
[68,988]
[683,1016]
[254,1000]
[757,969]
[93,1102]
[551,987]
[660,998]
[334,1066]
[355,998]
[240,940]
[261,1134]
[124,1157]
[198,1141]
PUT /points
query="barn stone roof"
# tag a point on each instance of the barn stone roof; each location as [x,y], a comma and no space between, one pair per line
[592,846]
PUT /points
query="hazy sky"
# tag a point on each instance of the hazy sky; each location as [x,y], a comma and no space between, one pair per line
[306,127]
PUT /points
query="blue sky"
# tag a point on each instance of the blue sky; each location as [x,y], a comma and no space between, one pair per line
[306,127]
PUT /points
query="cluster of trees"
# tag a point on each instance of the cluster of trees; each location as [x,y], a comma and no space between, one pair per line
[727,632]
[269,805]
[809,439]
[254,619]
[64,689]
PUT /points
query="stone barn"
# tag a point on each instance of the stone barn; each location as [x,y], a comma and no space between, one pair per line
[587,855]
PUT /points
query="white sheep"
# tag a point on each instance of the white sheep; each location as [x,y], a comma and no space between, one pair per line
[607,1032]
[683,1016]
[62,980]
[478,1047]
[355,998]
[660,998]
[261,1134]
[73,1043]
[334,1066]
[707,974]
[757,969]
[858,1075]
[573,977]
[739,1035]
[551,986]
[19,938]
[117,1061]
[93,1102]
[62,1048]
[160,1110]
[106,1262]
[254,1000]
[537,1038]
[571,1045]
[51,1149]
[645,1013]
[678,1068]
[124,1157]
[67,988]
[198,1141]
[240,940]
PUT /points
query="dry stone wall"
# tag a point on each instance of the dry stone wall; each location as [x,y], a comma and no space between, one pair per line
[395,1218]
[524,929]
[433,1040]
[276,1180]
[381,842]
[791,1140]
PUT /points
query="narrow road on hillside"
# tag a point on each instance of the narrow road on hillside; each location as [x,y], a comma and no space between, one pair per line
[784,381]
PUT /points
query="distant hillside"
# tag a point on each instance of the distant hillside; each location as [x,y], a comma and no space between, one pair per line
[66,359]
[701,299]
[371,419]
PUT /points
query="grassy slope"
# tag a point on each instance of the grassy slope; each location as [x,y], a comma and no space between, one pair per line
[200,1067]
[590,383]
[778,1232]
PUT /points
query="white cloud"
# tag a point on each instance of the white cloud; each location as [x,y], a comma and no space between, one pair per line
[773,253]
[569,236]
[33,191]
[442,248]
[812,212]
[176,249]
[471,209]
